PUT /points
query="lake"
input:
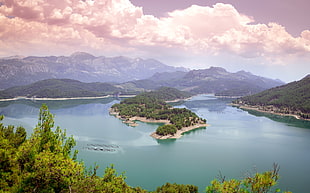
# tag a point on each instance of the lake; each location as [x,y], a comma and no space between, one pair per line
[235,144]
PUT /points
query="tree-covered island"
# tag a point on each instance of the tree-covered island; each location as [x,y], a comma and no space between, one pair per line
[151,107]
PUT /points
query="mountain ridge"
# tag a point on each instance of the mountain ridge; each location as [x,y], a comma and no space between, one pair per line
[214,80]
[82,66]
[60,88]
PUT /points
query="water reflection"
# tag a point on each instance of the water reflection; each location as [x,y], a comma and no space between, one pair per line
[30,108]
[56,104]
[166,141]
[289,120]
[209,102]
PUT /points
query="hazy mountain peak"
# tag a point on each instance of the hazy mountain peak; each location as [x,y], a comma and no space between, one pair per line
[80,66]
[82,56]
[217,69]
[212,80]
[242,72]
[13,57]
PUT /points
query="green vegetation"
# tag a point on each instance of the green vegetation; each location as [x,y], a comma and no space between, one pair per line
[168,94]
[61,88]
[292,98]
[180,188]
[166,130]
[258,183]
[151,105]
[45,162]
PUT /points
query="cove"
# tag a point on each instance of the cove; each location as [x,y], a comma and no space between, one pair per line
[236,143]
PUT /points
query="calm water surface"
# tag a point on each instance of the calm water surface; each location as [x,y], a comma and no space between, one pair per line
[236,142]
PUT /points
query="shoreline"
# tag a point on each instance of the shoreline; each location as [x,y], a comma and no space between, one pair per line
[53,99]
[61,98]
[179,100]
[179,133]
[75,98]
[254,108]
[131,122]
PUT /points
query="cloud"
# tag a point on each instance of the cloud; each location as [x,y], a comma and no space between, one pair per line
[117,26]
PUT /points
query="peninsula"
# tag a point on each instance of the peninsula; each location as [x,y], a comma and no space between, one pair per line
[291,99]
[151,107]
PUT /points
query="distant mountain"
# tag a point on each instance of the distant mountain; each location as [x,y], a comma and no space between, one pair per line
[80,66]
[213,80]
[292,98]
[60,88]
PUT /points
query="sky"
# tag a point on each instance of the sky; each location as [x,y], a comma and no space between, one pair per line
[269,38]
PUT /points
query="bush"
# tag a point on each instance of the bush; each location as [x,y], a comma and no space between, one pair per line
[166,130]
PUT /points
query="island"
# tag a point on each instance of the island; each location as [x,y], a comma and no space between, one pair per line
[151,107]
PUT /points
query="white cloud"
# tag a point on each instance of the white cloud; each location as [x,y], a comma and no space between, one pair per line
[117,26]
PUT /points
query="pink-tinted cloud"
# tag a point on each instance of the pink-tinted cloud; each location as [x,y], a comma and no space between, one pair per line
[117,26]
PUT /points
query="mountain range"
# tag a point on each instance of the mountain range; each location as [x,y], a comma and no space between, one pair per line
[212,80]
[121,74]
[80,66]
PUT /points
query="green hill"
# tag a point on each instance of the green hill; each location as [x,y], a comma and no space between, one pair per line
[292,98]
[60,88]
[167,94]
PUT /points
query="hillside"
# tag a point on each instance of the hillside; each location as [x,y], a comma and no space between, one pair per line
[213,80]
[292,98]
[167,94]
[16,71]
[60,88]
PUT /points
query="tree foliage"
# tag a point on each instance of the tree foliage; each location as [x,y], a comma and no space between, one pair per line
[177,188]
[166,130]
[258,183]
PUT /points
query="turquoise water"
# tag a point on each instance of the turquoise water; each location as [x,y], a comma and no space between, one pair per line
[236,143]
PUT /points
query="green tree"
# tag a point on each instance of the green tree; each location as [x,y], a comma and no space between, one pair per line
[259,183]
[9,144]
[166,130]
[177,188]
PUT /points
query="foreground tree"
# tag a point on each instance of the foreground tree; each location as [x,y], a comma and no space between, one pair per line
[176,188]
[259,183]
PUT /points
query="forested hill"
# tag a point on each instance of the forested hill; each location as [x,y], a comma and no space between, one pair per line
[292,98]
[60,88]
[167,94]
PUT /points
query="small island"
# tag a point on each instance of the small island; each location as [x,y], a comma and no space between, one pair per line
[151,107]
